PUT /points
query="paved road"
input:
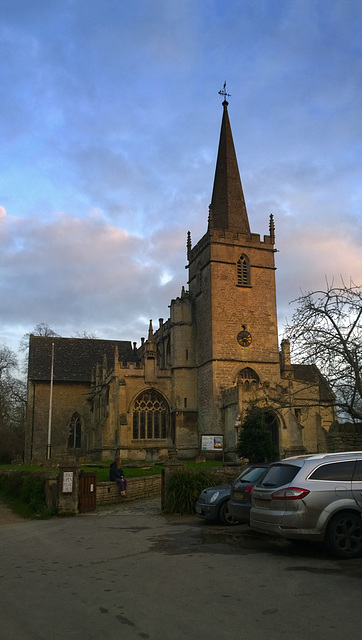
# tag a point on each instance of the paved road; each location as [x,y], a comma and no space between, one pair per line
[130,573]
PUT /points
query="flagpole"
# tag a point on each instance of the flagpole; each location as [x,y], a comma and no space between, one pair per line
[50,406]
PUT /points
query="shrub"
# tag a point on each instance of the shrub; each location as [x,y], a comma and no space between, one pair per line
[183,487]
[255,439]
[25,488]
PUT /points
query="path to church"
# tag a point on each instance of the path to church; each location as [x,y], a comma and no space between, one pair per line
[129,573]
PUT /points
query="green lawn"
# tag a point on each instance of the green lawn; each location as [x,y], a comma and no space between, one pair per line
[133,470]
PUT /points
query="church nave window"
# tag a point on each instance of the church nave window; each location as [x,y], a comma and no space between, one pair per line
[150,416]
[75,432]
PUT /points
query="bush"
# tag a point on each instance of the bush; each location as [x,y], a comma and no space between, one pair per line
[255,439]
[183,487]
[25,488]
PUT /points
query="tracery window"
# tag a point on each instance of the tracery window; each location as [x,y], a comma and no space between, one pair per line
[150,416]
[75,432]
[243,271]
[248,374]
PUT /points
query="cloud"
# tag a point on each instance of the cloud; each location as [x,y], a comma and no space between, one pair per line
[84,273]
[312,259]
[109,127]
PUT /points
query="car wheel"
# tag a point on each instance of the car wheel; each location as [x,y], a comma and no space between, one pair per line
[344,535]
[225,516]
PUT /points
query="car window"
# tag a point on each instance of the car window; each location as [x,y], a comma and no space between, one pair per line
[251,475]
[357,476]
[335,471]
[280,474]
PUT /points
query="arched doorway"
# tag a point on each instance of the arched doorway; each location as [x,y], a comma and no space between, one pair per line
[272,423]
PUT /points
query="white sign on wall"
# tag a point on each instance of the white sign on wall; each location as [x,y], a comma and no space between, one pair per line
[67,484]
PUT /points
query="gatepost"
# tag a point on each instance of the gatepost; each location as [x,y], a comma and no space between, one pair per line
[68,489]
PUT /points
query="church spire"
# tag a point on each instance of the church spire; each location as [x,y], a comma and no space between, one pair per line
[228,209]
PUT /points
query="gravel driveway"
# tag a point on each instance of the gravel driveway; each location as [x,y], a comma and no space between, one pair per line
[7,516]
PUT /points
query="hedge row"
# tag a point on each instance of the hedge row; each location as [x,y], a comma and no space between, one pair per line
[25,488]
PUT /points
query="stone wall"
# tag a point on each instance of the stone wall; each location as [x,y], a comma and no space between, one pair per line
[67,400]
[227,474]
[137,488]
[344,437]
[149,486]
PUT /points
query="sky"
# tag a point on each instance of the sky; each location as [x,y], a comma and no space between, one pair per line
[109,126]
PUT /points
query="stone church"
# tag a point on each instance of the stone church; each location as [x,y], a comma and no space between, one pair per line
[185,389]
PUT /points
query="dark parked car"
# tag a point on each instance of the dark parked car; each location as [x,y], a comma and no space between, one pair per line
[316,497]
[241,490]
[213,502]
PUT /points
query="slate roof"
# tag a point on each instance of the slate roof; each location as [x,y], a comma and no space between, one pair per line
[74,358]
[310,374]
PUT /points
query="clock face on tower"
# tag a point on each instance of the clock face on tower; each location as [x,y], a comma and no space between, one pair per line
[244,338]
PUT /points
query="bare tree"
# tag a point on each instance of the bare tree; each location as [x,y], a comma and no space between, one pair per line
[8,361]
[12,407]
[326,330]
[86,334]
[41,329]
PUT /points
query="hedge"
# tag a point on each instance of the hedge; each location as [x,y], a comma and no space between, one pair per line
[25,489]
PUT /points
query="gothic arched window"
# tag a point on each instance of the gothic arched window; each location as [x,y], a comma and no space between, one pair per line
[248,376]
[75,432]
[150,416]
[243,271]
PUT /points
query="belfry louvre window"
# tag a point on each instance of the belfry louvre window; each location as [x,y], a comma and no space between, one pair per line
[243,271]
[150,416]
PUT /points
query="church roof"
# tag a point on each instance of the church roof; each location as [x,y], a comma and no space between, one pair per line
[74,358]
[228,209]
[310,374]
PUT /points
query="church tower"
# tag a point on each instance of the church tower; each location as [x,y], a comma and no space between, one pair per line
[232,282]
[197,374]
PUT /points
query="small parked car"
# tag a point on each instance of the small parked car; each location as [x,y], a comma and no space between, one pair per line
[315,497]
[213,502]
[241,491]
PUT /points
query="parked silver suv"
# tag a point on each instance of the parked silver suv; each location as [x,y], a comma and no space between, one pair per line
[316,497]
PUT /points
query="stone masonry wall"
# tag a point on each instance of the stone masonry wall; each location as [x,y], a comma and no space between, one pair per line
[67,399]
[137,488]
[344,442]
[149,486]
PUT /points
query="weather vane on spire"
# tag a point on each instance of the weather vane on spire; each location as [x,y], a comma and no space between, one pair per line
[223,92]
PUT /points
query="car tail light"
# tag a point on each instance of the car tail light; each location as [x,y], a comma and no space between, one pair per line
[292,493]
[249,489]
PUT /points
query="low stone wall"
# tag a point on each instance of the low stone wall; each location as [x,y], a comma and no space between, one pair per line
[149,486]
[227,474]
[344,437]
[137,488]
[344,442]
